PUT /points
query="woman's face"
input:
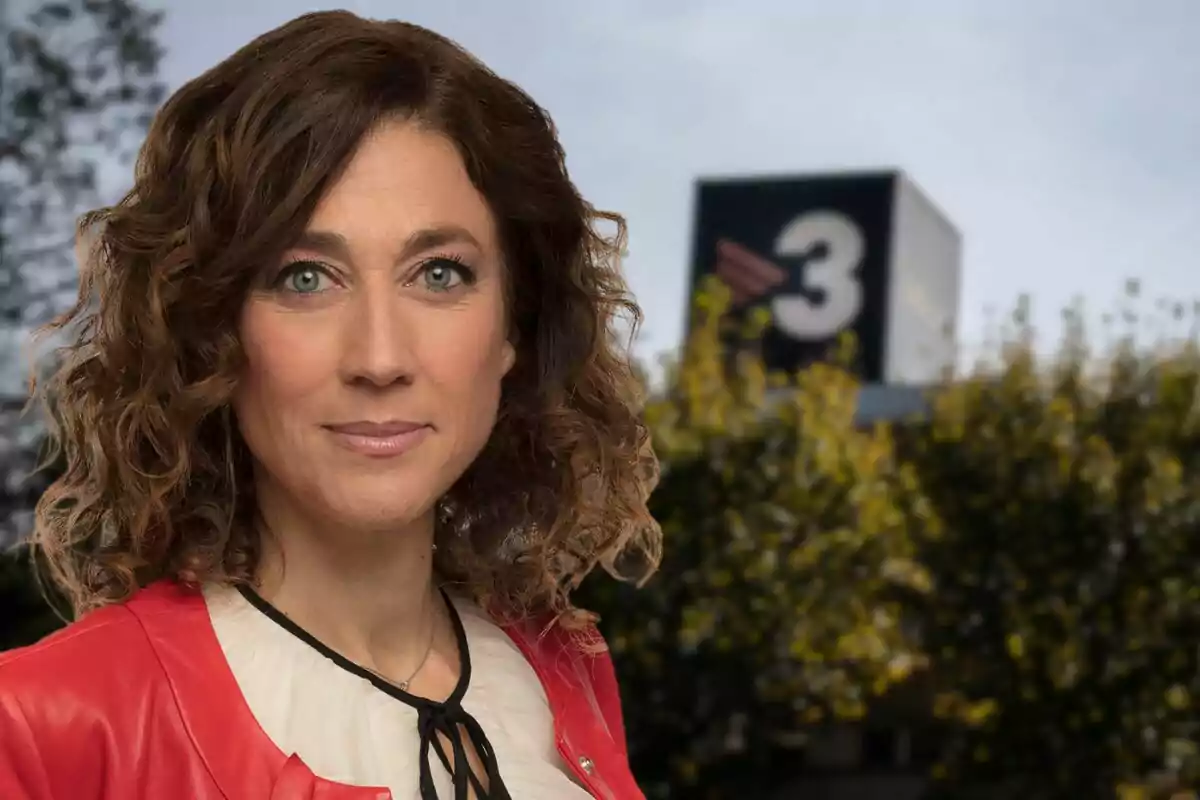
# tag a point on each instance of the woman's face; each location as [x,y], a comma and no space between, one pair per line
[376,347]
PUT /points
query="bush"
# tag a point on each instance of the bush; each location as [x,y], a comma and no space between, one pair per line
[787,533]
[1040,527]
[1064,623]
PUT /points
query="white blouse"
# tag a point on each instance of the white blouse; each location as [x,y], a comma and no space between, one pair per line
[348,731]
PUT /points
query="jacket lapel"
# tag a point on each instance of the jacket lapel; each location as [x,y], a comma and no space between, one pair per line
[242,759]
[246,764]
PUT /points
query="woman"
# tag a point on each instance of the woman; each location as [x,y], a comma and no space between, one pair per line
[344,421]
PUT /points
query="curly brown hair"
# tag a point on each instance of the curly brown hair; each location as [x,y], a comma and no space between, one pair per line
[157,482]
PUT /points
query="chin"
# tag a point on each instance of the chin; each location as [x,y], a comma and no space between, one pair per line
[365,506]
[386,514]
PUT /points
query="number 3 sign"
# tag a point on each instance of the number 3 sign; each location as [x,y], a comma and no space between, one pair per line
[832,247]
[835,253]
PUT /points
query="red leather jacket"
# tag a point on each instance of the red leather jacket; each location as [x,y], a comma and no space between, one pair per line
[136,702]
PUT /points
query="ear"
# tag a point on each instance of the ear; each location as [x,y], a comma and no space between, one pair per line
[508,357]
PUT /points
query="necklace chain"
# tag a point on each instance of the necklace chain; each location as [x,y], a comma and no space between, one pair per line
[403,685]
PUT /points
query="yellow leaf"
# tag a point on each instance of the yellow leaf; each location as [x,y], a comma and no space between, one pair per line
[1016,645]
[1178,697]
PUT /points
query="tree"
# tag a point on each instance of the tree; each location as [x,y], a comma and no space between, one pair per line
[1023,564]
[1063,626]
[788,531]
[77,82]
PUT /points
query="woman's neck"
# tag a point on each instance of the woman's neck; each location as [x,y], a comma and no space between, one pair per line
[368,594]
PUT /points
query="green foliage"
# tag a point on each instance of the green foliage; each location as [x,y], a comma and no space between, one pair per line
[1063,627]
[1036,535]
[788,533]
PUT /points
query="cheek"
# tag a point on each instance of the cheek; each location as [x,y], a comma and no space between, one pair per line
[470,356]
[284,361]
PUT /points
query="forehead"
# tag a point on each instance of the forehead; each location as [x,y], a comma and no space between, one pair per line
[404,178]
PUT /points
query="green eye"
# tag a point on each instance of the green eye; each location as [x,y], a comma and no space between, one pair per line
[303,279]
[442,275]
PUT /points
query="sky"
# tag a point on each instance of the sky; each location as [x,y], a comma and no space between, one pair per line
[1060,138]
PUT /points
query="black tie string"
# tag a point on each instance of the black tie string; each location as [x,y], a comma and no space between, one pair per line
[451,721]
[449,718]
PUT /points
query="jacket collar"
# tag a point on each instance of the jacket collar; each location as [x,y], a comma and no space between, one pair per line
[247,765]
[236,751]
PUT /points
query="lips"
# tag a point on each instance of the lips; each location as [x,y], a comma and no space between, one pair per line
[377,429]
[379,439]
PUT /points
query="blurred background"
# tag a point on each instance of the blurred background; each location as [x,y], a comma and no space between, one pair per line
[921,286]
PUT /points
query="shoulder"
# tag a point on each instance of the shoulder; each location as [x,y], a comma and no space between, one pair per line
[80,658]
[590,647]
[103,645]
[63,699]
[575,665]
[86,668]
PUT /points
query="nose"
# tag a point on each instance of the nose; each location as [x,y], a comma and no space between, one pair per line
[377,349]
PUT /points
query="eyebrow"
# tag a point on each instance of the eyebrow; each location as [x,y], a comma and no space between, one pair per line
[335,245]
